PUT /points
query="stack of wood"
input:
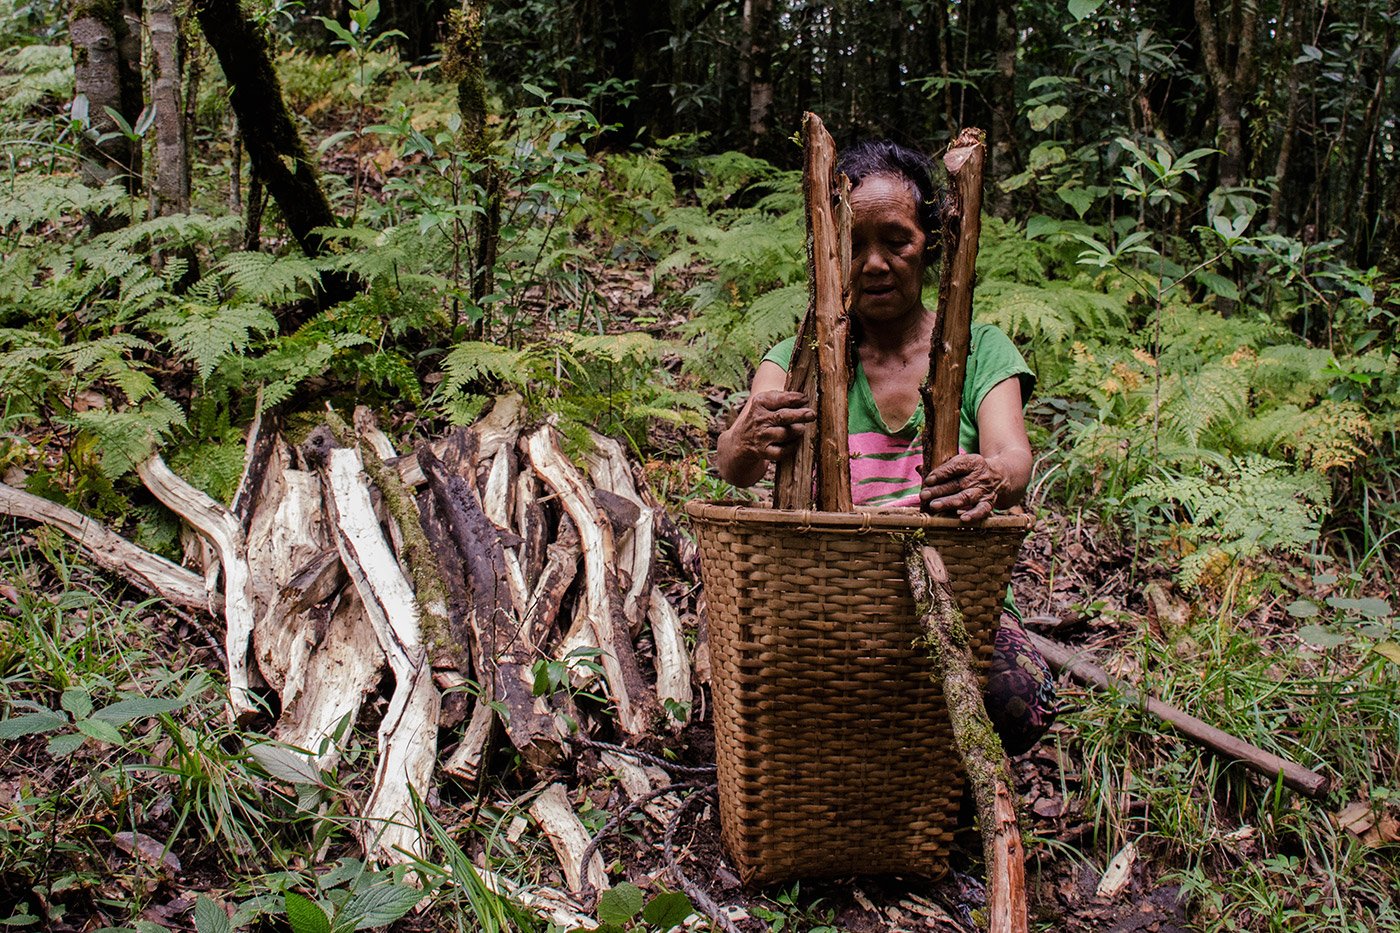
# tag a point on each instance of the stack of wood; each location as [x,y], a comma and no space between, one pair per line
[459,568]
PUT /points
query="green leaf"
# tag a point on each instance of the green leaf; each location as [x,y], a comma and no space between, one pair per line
[1321,636]
[1083,9]
[61,746]
[124,711]
[209,917]
[77,701]
[379,905]
[1301,609]
[1389,650]
[304,915]
[620,904]
[1218,285]
[285,764]
[668,909]
[1041,117]
[99,730]
[31,723]
[1078,198]
[1039,225]
[1370,607]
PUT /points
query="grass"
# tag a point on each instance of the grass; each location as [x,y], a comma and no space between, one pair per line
[82,800]
[1249,855]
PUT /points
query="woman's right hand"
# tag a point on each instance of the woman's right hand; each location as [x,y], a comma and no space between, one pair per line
[770,423]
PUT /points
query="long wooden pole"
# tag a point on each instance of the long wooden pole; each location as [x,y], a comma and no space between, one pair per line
[820,366]
[984,759]
[1081,668]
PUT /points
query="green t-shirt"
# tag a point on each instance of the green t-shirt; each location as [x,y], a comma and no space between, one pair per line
[883,458]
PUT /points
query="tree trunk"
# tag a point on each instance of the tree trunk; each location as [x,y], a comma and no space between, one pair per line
[276,151]
[171,187]
[1001,147]
[462,63]
[1229,60]
[758,45]
[100,40]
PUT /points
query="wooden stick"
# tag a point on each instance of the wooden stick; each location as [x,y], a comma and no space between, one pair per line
[225,532]
[952,334]
[794,476]
[147,572]
[828,220]
[988,769]
[1079,666]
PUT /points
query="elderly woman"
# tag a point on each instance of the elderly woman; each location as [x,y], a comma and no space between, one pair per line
[894,212]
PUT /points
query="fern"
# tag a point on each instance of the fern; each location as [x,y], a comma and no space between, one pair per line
[262,277]
[206,333]
[128,437]
[474,360]
[28,200]
[1049,313]
[1250,507]
[33,75]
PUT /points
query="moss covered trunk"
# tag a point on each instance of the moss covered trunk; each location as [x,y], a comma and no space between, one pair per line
[988,771]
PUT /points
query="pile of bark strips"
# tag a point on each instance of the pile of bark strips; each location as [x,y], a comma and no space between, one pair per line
[456,567]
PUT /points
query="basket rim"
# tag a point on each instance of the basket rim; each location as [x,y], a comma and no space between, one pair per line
[864,519]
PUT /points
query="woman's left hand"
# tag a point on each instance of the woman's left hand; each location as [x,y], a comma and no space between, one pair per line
[967,484]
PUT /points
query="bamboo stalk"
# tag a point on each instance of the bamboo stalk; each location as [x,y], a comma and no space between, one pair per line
[1082,669]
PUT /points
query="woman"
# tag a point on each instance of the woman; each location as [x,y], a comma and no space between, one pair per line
[894,219]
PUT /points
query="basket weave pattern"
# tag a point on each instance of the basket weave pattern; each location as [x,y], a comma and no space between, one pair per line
[834,749]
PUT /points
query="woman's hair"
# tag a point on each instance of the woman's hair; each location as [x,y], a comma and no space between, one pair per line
[885,157]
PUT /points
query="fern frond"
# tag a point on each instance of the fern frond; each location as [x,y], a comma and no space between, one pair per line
[32,198]
[476,359]
[1216,396]
[207,333]
[128,437]
[262,277]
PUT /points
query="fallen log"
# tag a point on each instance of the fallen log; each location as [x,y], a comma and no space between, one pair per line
[1080,667]
[148,572]
[225,532]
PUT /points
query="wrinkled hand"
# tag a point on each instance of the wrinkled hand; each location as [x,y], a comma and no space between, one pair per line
[772,422]
[967,484]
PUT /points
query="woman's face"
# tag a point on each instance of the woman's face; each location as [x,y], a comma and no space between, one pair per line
[887,249]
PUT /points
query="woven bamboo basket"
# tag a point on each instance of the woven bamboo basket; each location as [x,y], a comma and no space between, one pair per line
[834,748]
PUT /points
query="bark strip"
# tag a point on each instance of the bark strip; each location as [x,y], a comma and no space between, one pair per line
[635,707]
[147,572]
